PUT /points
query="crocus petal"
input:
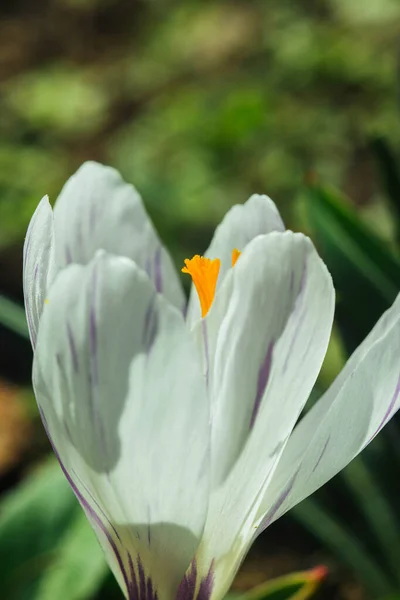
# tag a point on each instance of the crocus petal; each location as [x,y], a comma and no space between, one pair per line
[267,335]
[96,210]
[349,415]
[119,407]
[38,264]
[241,224]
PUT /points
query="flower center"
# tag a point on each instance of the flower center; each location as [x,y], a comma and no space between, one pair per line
[204,273]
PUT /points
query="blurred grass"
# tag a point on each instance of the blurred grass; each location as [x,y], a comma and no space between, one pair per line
[13,317]
[199,104]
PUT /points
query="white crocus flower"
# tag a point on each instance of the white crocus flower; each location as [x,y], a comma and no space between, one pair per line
[178,435]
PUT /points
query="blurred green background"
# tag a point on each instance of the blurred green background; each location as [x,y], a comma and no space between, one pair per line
[200,104]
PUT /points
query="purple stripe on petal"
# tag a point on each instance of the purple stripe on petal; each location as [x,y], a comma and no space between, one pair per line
[142,580]
[94,501]
[277,450]
[35,274]
[157,271]
[303,280]
[72,348]
[193,571]
[89,511]
[59,361]
[206,585]
[322,453]
[270,516]
[133,586]
[148,266]
[150,326]
[187,587]
[147,320]
[142,589]
[149,590]
[263,378]
[388,413]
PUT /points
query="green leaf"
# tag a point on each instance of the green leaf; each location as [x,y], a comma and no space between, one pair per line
[296,586]
[365,273]
[78,567]
[376,507]
[390,175]
[332,533]
[33,519]
[13,316]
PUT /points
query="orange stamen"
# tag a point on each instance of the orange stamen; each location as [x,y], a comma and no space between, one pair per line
[235,255]
[204,273]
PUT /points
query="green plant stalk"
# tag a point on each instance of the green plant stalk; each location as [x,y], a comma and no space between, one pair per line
[78,564]
[361,264]
[308,582]
[390,175]
[356,241]
[33,518]
[344,545]
[377,510]
[13,316]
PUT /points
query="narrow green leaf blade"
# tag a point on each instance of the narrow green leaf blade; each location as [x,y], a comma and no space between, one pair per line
[377,509]
[365,273]
[33,519]
[390,175]
[295,586]
[12,316]
[79,566]
[343,544]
